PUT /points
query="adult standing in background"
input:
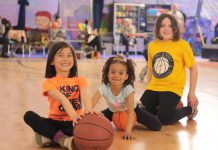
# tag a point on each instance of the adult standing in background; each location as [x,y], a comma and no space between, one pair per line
[179,17]
[3,40]
[128,35]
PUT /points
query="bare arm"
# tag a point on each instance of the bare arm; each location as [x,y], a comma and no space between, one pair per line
[149,75]
[57,95]
[131,116]
[95,98]
[193,82]
[85,100]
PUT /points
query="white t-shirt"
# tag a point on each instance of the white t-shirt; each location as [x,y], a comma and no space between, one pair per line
[116,103]
[89,31]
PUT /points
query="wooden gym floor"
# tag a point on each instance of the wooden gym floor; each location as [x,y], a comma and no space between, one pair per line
[21,81]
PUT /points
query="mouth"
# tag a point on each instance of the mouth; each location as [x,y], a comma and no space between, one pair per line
[116,79]
[65,64]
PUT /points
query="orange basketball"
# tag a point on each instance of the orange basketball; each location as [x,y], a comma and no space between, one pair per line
[93,132]
[120,119]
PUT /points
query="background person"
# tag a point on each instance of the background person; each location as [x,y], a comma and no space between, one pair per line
[127,35]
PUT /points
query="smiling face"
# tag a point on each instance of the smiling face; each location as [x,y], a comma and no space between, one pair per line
[117,74]
[166,31]
[63,61]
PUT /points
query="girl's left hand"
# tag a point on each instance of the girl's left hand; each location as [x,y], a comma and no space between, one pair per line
[192,100]
[128,136]
[93,112]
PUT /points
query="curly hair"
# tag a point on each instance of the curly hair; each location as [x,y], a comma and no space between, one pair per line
[126,62]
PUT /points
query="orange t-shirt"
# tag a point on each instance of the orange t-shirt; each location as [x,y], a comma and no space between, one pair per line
[70,87]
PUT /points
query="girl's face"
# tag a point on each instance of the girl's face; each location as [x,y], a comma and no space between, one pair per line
[63,62]
[166,31]
[117,74]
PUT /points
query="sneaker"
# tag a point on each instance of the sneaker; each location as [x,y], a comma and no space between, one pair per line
[131,42]
[42,141]
[143,72]
[139,103]
[127,54]
[66,142]
[194,112]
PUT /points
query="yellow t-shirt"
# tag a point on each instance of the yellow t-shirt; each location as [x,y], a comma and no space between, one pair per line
[70,87]
[168,61]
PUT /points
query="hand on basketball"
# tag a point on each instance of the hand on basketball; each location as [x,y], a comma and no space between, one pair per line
[76,118]
[93,112]
[88,111]
[128,136]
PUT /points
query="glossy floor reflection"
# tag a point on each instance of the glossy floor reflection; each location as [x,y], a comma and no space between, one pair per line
[21,81]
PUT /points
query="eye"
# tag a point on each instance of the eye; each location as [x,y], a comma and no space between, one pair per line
[112,72]
[121,73]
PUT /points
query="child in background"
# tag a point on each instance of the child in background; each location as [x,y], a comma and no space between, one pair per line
[117,89]
[168,58]
[65,91]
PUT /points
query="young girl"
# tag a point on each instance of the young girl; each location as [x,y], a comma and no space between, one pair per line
[168,57]
[117,88]
[64,90]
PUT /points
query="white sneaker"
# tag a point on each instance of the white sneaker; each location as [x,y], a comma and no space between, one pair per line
[42,141]
[66,142]
[143,72]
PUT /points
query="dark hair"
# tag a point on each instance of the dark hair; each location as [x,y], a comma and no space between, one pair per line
[50,69]
[174,23]
[130,69]
[57,17]
[86,22]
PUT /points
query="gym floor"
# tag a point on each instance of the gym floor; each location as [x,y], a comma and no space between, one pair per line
[21,82]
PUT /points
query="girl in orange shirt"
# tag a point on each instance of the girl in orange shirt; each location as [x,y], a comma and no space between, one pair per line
[65,90]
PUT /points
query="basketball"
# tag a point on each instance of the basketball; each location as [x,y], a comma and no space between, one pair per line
[120,119]
[93,132]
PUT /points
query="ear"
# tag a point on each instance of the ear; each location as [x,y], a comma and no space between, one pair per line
[127,76]
[52,63]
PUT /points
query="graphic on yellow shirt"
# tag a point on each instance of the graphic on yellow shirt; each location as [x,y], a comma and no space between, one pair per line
[162,64]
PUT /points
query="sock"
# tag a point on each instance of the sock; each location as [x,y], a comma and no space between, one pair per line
[58,136]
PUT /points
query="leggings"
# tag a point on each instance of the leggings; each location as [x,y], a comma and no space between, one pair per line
[47,127]
[163,104]
[143,117]
[96,42]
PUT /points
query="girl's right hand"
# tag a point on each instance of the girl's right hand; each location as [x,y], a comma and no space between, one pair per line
[76,118]
[128,136]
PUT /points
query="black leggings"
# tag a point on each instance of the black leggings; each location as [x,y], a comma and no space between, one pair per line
[125,41]
[96,42]
[5,42]
[143,117]
[163,104]
[47,127]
